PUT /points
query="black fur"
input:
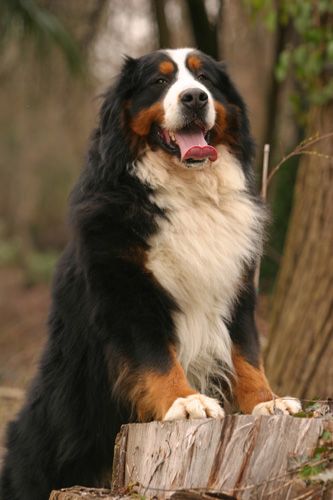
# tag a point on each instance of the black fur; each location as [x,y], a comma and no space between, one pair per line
[105,308]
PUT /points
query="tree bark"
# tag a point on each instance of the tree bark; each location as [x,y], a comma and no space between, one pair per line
[237,457]
[205,33]
[300,348]
[163,31]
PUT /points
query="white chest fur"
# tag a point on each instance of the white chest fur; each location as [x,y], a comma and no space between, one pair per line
[212,230]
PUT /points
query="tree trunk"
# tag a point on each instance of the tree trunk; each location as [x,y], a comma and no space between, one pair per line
[237,457]
[300,348]
[205,33]
[163,31]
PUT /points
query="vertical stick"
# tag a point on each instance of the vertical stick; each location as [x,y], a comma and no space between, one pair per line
[265,172]
[263,193]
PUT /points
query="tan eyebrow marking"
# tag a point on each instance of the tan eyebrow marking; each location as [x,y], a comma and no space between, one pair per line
[167,67]
[194,62]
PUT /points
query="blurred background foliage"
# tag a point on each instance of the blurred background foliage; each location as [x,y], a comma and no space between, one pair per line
[26,19]
[57,57]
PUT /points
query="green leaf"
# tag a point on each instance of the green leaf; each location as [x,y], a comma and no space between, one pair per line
[318,452]
[301,414]
[271,20]
[329,49]
[325,6]
[282,67]
[326,436]
[322,95]
[310,52]
[308,470]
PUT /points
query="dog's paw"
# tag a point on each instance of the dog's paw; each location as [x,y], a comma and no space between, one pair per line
[194,406]
[278,406]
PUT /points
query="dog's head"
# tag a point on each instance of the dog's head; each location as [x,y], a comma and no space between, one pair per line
[179,103]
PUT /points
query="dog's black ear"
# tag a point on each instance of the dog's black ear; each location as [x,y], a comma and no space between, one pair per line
[237,113]
[129,67]
[228,88]
[110,151]
[116,95]
[113,147]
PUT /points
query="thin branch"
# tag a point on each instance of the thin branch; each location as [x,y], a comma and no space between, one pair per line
[299,150]
[264,195]
[265,171]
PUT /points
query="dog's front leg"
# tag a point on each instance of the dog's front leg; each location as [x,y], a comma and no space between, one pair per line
[251,388]
[164,393]
[253,393]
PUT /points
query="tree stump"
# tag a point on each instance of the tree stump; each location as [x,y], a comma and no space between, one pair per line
[241,457]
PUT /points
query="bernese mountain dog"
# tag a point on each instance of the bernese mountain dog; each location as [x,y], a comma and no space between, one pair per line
[153,304]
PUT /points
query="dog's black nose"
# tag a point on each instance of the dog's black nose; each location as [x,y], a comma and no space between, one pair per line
[194,98]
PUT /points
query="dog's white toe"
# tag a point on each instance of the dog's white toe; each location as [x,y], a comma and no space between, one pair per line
[278,406]
[194,406]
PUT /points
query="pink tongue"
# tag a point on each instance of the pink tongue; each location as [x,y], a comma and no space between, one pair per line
[193,145]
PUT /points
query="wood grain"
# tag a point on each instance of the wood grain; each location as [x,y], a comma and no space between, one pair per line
[238,457]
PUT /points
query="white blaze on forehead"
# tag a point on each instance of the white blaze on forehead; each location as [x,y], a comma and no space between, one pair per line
[179,56]
[173,114]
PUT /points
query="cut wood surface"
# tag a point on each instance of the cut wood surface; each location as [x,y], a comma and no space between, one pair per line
[241,457]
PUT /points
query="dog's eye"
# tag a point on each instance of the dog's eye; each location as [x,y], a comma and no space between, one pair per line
[202,77]
[161,81]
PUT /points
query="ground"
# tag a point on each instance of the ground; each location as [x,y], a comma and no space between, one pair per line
[23,318]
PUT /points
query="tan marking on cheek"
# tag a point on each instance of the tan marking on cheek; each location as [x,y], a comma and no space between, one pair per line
[142,122]
[166,67]
[225,130]
[251,385]
[194,63]
[136,142]
[220,126]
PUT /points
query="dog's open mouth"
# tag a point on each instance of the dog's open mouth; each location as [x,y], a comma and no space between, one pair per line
[190,144]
